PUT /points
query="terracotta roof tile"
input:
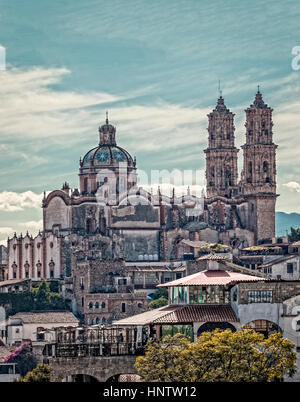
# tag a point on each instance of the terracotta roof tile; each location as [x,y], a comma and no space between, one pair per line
[198,313]
[173,314]
[46,317]
[212,277]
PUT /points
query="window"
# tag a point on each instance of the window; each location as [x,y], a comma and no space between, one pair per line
[26,274]
[289,268]
[103,305]
[260,296]
[82,302]
[96,305]
[209,295]
[51,274]
[39,274]
[90,305]
[81,282]
[123,308]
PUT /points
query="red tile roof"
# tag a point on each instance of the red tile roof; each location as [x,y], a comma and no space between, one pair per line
[213,277]
[181,314]
[198,313]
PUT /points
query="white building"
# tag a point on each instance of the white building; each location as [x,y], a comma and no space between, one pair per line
[29,326]
[285,267]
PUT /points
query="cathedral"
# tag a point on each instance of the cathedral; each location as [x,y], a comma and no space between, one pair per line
[111,217]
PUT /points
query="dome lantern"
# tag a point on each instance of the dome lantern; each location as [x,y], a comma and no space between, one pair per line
[107,133]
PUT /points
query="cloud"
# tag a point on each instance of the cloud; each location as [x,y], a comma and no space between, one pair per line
[11,201]
[40,110]
[293,185]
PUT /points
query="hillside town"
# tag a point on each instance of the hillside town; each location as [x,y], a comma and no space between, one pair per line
[85,286]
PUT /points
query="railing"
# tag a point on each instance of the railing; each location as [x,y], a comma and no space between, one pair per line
[90,349]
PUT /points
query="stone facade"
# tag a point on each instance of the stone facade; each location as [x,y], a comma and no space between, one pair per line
[102,292]
[124,221]
[101,368]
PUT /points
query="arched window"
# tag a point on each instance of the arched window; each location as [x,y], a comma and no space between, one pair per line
[265,167]
[97,320]
[103,305]
[90,305]
[96,305]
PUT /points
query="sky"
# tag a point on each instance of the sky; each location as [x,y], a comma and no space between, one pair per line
[155,66]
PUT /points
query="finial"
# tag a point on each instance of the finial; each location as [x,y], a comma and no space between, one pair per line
[219,88]
[258,88]
[106,117]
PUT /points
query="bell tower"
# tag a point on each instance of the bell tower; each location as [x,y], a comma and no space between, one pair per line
[258,178]
[221,154]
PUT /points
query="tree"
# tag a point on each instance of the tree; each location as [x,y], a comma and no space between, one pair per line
[40,374]
[161,292]
[242,356]
[158,303]
[294,235]
[42,300]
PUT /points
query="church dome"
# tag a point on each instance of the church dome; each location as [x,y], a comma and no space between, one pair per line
[107,153]
[105,156]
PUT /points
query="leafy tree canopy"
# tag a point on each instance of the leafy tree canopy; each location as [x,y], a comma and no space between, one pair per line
[40,374]
[158,303]
[294,235]
[161,292]
[242,356]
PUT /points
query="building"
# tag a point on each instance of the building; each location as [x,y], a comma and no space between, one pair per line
[3,264]
[219,298]
[8,371]
[102,291]
[15,286]
[286,267]
[108,212]
[31,326]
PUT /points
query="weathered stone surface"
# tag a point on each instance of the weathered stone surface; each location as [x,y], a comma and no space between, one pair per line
[101,368]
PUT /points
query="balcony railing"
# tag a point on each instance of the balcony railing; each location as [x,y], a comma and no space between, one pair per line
[93,349]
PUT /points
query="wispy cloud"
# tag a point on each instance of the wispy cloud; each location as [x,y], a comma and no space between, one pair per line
[293,185]
[12,201]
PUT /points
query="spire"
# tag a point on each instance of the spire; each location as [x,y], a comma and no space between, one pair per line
[221,107]
[219,88]
[107,133]
[258,101]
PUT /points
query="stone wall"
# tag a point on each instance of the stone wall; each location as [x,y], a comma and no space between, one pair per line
[101,368]
[280,290]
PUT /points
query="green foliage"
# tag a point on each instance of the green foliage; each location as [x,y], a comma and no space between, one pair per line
[54,286]
[16,302]
[40,298]
[242,356]
[158,303]
[46,300]
[161,292]
[40,374]
[294,235]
